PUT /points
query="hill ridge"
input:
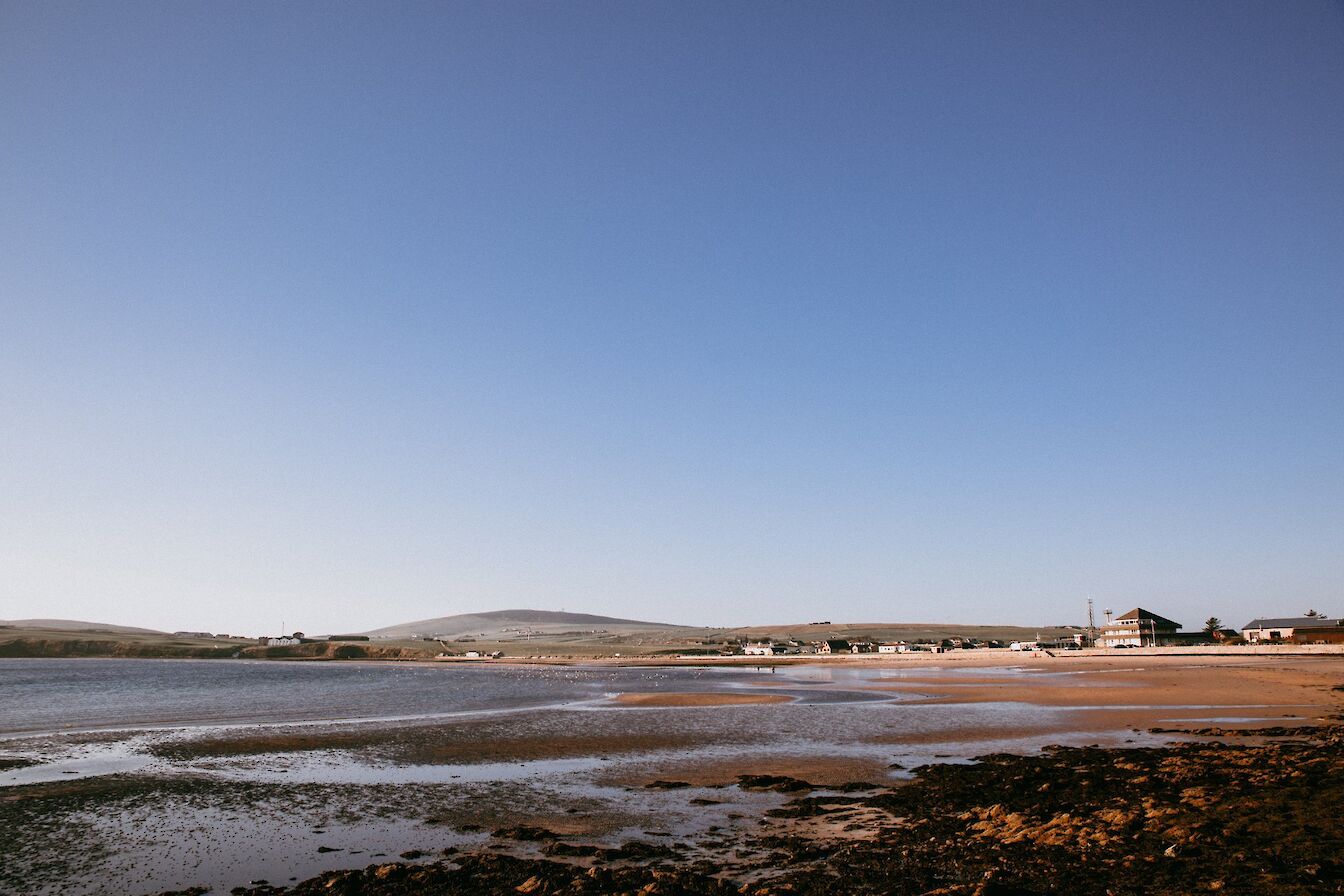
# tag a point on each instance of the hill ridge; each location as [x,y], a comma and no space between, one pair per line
[463,622]
[77,625]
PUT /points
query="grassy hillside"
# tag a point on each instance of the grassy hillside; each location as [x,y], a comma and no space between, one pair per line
[507,634]
[510,625]
[664,641]
[42,642]
[75,625]
[16,641]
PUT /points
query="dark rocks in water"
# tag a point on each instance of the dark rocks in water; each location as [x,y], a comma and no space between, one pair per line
[8,763]
[328,849]
[477,875]
[667,785]
[526,833]
[852,787]
[812,806]
[412,854]
[561,848]
[1270,731]
[638,849]
[780,783]
[701,801]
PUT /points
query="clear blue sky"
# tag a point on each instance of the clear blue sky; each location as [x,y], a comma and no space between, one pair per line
[350,314]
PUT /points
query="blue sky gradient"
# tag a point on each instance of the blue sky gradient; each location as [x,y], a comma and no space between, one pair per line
[707,313]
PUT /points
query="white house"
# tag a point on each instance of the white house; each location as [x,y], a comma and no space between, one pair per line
[765,649]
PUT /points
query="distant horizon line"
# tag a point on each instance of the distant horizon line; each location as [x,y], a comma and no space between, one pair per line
[501,616]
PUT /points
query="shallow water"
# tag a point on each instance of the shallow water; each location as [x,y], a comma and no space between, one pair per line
[49,695]
[87,718]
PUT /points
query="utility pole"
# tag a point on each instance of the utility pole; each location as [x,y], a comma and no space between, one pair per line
[1091,623]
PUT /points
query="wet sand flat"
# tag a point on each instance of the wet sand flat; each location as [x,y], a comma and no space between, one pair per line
[711,699]
[1109,695]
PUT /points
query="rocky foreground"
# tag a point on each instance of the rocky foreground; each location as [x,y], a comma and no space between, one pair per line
[1236,812]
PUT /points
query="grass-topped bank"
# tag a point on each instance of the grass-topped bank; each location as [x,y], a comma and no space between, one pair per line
[35,643]
[28,647]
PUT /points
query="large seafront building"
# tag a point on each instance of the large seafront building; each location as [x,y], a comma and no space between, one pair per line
[1137,628]
[1293,628]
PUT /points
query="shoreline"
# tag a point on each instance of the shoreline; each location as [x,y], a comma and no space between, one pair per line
[661,780]
[1157,681]
[30,648]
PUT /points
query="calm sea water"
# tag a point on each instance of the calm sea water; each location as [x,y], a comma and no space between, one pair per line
[61,695]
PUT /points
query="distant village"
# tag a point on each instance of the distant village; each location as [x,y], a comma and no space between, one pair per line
[1137,628]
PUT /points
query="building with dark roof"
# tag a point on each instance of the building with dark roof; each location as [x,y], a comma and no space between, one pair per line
[1286,628]
[1137,628]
